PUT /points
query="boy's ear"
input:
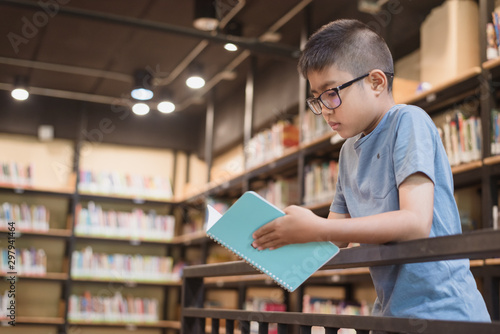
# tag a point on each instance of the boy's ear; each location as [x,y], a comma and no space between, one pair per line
[378,81]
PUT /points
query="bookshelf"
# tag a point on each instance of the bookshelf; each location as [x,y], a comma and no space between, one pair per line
[42,299]
[131,212]
[27,198]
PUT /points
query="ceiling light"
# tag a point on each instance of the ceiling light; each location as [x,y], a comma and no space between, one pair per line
[230,47]
[205,16]
[195,79]
[166,107]
[142,94]
[20,94]
[140,109]
[233,28]
[195,82]
[142,86]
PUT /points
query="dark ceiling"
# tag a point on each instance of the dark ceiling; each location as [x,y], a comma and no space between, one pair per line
[88,50]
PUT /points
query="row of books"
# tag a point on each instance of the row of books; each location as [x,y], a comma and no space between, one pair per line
[122,267]
[121,184]
[117,308]
[271,143]
[26,261]
[94,221]
[281,192]
[16,174]
[27,218]
[259,304]
[5,302]
[313,126]
[320,179]
[331,306]
[462,137]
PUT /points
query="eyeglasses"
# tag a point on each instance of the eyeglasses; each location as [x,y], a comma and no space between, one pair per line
[330,98]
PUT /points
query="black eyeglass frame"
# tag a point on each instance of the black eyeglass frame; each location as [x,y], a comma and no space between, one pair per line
[337,89]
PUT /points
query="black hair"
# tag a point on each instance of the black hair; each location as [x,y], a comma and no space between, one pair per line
[350,45]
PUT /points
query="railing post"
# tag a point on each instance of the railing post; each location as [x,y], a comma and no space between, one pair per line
[215,326]
[331,330]
[229,326]
[304,329]
[282,329]
[193,292]
[245,327]
[263,327]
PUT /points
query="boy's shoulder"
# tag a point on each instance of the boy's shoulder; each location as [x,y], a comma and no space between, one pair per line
[407,110]
[409,114]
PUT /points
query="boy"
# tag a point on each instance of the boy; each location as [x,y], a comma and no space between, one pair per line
[394,182]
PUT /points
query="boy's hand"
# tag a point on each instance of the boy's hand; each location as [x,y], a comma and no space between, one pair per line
[299,225]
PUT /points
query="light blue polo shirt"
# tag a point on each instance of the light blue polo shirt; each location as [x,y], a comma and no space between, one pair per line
[371,168]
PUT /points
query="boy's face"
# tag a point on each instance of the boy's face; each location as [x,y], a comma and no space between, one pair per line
[357,112]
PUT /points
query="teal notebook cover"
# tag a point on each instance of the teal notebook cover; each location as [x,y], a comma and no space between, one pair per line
[290,265]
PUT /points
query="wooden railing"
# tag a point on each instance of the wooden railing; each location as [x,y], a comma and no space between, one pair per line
[483,244]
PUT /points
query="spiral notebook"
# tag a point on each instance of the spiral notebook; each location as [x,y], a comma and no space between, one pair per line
[289,266]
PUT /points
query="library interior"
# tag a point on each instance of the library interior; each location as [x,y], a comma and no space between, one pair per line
[121,121]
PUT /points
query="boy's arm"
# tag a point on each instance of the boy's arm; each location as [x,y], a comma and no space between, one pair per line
[412,221]
[335,215]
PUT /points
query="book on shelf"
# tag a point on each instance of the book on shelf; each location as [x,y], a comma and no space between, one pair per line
[271,143]
[194,222]
[6,302]
[494,214]
[491,40]
[27,218]
[461,136]
[94,221]
[122,267]
[493,35]
[221,205]
[322,305]
[289,266]
[495,131]
[313,127]
[115,309]
[16,174]
[27,261]
[121,184]
[258,304]
[320,179]
[281,191]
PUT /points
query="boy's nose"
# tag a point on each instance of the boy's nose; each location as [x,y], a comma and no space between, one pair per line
[325,110]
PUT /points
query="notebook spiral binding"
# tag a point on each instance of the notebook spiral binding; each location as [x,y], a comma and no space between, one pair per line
[276,279]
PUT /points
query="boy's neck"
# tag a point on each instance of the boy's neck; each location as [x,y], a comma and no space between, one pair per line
[384,105]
